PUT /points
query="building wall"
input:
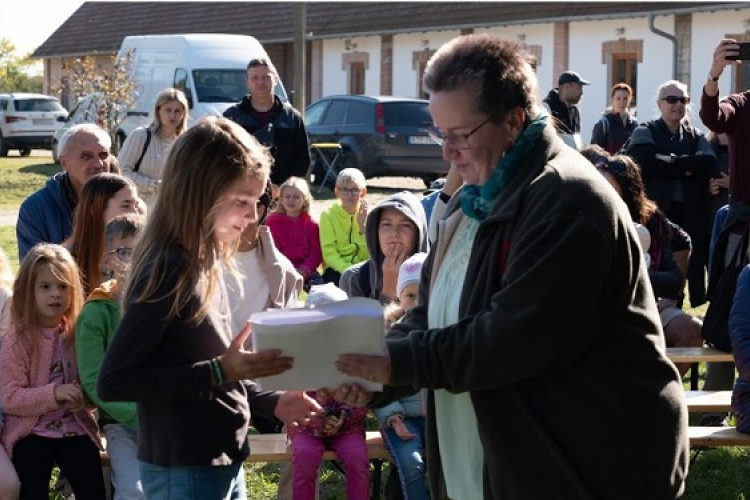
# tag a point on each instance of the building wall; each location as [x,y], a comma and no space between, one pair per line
[335,74]
[405,46]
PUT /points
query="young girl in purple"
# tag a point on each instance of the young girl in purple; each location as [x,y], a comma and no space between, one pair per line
[294,232]
[47,419]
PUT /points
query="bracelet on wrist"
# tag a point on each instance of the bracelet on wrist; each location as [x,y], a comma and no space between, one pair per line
[217,370]
[444,197]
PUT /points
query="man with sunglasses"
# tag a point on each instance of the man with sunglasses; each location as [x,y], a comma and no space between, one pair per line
[677,162]
[562,102]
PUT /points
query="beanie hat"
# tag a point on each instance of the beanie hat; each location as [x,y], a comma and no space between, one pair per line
[410,271]
[324,294]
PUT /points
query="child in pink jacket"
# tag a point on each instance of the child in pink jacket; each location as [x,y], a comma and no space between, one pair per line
[294,232]
[47,419]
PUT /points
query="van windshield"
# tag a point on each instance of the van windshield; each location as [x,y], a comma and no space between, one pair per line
[224,85]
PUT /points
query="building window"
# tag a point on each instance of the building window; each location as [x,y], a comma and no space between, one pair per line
[419,63]
[357,78]
[624,69]
[356,65]
[622,57]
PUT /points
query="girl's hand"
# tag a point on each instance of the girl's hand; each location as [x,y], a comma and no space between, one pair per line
[69,396]
[395,256]
[399,427]
[296,408]
[362,215]
[333,424]
[239,364]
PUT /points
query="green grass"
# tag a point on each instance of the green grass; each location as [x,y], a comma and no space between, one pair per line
[717,474]
[21,176]
[9,245]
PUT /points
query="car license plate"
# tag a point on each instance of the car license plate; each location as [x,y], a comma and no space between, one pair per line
[420,139]
[43,121]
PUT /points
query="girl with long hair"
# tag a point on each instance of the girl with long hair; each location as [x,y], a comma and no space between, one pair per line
[174,352]
[47,418]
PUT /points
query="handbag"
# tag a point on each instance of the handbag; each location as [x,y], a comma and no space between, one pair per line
[145,147]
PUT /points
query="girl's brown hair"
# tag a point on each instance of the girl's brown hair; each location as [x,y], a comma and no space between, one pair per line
[87,242]
[204,164]
[23,309]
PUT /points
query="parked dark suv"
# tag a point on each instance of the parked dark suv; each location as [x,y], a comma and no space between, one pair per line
[381,135]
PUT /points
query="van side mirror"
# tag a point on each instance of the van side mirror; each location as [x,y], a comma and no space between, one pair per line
[189,97]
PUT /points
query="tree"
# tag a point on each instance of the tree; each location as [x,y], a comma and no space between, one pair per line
[16,71]
[111,79]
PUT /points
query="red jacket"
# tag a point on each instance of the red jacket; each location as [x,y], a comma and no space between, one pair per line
[297,238]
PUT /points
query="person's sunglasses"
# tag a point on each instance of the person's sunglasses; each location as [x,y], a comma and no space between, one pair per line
[613,167]
[350,192]
[673,99]
[125,254]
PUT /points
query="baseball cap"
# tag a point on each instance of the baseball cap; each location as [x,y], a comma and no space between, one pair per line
[571,77]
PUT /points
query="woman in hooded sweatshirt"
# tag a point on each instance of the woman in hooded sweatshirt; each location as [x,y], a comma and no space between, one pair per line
[395,230]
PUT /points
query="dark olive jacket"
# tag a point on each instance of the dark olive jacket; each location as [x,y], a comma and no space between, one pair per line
[559,344]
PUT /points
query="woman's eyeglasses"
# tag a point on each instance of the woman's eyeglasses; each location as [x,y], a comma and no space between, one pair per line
[673,99]
[125,254]
[458,141]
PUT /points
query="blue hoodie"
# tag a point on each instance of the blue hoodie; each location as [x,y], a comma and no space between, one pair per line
[45,216]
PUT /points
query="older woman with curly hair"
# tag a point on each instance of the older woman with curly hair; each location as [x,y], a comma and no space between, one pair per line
[534,295]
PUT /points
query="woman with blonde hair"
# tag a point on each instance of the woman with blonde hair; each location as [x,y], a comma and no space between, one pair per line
[145,150]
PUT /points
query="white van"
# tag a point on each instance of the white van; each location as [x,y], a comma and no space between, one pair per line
[209,68]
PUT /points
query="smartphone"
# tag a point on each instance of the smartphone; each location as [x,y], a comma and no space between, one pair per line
[744,52]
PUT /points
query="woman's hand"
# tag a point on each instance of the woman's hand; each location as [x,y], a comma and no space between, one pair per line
[373,368]
[239,364]
[349,394]
[296,408]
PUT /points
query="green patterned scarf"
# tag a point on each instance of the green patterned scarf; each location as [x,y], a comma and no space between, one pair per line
[477,201]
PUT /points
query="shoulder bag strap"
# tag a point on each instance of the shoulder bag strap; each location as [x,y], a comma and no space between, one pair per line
[145,147]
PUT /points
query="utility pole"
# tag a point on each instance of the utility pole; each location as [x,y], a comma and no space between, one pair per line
[300,51]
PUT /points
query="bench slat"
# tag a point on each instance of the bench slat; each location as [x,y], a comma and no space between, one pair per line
[708,401]
[697,354]
[717,436]
[273,448]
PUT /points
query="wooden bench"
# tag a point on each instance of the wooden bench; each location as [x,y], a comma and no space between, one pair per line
[695,355]
[708,401]
[698,354]
[717,436]
[274,448]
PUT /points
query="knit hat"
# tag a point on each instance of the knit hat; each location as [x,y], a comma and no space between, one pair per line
[324,294]
[410,271]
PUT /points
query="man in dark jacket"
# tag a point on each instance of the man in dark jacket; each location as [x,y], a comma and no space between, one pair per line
[47,215]
[562,103]
[274,123]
